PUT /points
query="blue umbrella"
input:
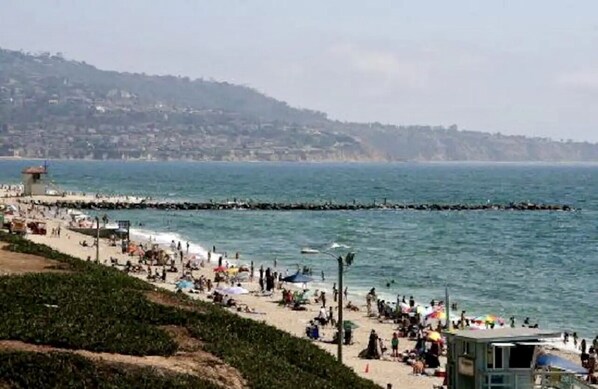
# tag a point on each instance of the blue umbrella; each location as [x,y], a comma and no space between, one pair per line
[298,278]
[183,284]
[551,360]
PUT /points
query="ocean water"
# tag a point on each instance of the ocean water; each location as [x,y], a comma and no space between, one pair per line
[540,265]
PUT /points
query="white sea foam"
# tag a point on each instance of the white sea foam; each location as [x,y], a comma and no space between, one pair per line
[335,245]
[165,238]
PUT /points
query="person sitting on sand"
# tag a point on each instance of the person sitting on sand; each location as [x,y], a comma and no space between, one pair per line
[84,243]
[322,316]
[418,367]
[350,306]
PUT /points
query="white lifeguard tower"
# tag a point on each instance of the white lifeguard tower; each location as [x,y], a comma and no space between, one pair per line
[508,358]
[34,181]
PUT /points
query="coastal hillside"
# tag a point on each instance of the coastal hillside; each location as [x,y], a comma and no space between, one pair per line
[70,323]
[51,107]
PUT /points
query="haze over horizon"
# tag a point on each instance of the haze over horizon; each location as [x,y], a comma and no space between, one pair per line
[528,69]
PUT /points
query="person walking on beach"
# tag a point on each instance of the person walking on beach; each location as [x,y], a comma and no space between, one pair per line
[187,247]
[323,278]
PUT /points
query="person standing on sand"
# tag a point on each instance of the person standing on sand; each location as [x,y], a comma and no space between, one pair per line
[394,343]
[323,278]
[346,292]
[187,247]
[251,272]
[334,292]
[591,366]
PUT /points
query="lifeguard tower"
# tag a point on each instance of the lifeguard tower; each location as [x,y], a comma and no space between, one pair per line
[503,358]
[34,181]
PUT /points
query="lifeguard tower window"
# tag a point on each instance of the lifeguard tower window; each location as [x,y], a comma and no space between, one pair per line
[494,357]
[36,176]
[521,357]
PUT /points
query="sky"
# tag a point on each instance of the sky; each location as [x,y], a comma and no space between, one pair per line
[514,67]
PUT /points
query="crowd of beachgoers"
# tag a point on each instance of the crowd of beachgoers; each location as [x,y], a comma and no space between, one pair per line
[377,333]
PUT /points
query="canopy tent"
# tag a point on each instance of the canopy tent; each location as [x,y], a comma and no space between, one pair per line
[298,278]
[554,361]
[220,269]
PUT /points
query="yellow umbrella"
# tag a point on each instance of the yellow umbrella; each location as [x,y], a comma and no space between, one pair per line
[233,270]
[434,336]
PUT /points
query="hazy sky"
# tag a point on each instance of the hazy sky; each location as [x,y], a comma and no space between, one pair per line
[519,67]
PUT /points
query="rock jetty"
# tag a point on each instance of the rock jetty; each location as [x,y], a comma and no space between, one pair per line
[265,206]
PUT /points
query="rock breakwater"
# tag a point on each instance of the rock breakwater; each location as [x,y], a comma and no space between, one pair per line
[267,206]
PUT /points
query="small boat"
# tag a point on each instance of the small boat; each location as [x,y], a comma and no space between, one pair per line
[307,250]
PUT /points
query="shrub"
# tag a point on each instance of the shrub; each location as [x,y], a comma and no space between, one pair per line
[59,370]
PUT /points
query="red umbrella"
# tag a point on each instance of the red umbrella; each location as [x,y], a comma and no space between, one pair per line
[220,269]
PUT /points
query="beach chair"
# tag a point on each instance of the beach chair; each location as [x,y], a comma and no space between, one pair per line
[300,298]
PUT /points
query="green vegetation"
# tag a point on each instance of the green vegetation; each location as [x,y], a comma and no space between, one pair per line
[59,370]
[101,309]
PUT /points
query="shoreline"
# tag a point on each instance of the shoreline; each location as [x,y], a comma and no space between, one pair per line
[81,196]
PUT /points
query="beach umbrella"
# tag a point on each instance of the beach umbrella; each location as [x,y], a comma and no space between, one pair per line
[349,324]
[184,284]
[232,270]
[220,269]
[490,319]
[233,290]
[434,336]
[440,315]
[298,278]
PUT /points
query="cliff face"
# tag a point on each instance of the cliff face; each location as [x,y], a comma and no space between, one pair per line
[54,108]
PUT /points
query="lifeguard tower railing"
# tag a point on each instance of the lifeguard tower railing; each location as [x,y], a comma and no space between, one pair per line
[544,379]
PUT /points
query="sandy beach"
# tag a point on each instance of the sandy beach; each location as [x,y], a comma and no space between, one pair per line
[383,372]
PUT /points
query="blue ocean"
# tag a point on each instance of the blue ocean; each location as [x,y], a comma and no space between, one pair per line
[541,265]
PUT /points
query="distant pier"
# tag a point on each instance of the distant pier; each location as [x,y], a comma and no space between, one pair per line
[303,206]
